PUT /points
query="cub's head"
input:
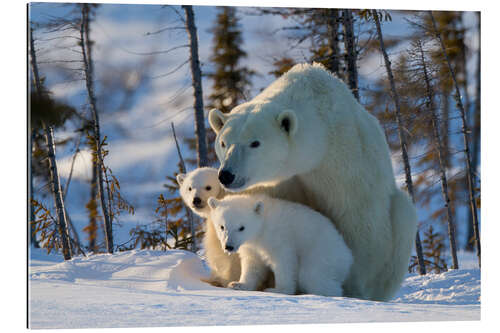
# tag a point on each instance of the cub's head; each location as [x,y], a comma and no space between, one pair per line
[261,145]
[236,220]
[197,186]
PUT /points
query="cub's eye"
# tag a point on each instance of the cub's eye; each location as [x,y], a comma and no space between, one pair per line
[221,227]
[189,189]
[222,144]
[255,144]
[241,229]
[208,188]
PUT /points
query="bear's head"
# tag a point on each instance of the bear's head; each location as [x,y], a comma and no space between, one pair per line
[197,186]
[236,219]
[261,144]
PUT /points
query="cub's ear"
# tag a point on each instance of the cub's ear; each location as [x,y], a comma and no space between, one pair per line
[180,178]
[212,203]
[287,120]
[258,208]
[216,119]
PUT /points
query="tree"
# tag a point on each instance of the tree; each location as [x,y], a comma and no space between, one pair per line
[201,144]
[189,213]
[231,80]
[402,138]
[351,53]
[476,138]
[465,133]
[422,66]
[91,207]
[86,47]
[62,224]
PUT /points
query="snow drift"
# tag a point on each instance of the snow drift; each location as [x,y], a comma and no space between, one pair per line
[143,288]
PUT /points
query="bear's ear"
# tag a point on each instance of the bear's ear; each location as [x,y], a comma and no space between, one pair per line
[180,178]
[216,119]
[258,208]
[212,202]
[288,121]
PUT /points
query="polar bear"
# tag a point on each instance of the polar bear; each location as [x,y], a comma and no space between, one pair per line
[301,246]
[195,188]
[307,129]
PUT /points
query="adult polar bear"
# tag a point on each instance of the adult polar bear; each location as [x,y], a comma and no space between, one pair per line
[305,138]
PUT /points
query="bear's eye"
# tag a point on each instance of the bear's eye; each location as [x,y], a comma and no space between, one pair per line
[189,189]
[208,188]
[241,229]
[255,144]
[221,227]
[222,144]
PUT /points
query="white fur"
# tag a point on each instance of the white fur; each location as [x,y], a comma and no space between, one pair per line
[301,246]
[224,267]
[336,154]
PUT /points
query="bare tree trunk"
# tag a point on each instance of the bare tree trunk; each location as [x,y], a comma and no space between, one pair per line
[465,131]
[476,135]
[199,119]
[333,40]
[76,239]
[33,240]
[445,129]
[189,213]
[442,163]
[402,138]
[77,151]
[92,227]
[350,47]
[88,69]
[62,224]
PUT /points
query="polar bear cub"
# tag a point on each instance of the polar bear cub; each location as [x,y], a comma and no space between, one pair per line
[195,189]
[301,246]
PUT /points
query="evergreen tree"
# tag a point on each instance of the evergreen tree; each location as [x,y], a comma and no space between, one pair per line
[231,80]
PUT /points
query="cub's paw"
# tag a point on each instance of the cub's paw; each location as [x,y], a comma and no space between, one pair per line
[238,286]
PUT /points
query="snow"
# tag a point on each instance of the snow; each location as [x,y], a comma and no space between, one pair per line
[143,288]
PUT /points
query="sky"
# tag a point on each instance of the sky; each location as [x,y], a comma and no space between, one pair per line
[141,148]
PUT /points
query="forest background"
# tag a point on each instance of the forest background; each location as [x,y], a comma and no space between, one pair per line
[128,150]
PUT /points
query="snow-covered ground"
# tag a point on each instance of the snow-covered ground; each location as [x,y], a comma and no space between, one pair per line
[152,288]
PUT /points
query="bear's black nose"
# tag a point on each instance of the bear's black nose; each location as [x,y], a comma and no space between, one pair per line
[196,201]
[229,248]
[226,177]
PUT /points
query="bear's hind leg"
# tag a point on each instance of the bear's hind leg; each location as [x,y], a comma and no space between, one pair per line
[404,228]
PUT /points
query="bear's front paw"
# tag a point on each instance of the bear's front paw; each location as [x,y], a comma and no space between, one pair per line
[238,286]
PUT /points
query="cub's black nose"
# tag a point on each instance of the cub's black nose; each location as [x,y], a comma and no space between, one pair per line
[196,201]
[229,248]
[226,177]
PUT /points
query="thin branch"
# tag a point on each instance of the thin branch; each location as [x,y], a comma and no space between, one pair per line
[188,211]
